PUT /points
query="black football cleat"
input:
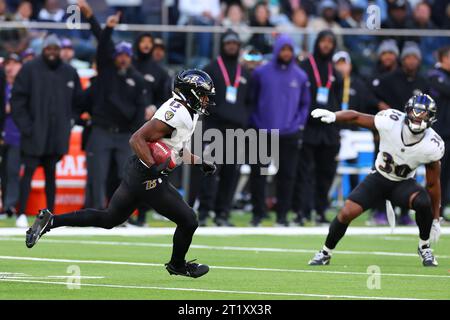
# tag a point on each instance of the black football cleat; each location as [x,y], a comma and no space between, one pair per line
[40,226]
[190,269]
[321,258]
[426,254]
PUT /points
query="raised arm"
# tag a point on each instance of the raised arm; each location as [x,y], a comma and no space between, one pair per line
[87,12]
[348,116]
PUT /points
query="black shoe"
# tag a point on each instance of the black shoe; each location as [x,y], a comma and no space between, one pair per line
[283,223]
[40,226]
[426,254]
[300,220]
[190,269]
[321,258]
[220,222]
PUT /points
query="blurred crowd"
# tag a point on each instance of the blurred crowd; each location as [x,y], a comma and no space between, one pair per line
[263,81]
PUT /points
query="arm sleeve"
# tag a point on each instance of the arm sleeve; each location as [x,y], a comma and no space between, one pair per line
[304,105]
[105,49]
[20,102]
[95,27]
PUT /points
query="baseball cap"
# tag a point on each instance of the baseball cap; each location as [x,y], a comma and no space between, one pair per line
[342,55]
[123,47]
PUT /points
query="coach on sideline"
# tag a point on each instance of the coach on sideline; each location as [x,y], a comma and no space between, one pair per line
[117,111]
[45,94]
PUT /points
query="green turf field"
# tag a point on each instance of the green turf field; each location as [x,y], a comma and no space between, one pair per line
[242,267]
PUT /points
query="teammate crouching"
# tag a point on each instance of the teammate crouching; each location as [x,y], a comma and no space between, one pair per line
[147,183]
[406,142]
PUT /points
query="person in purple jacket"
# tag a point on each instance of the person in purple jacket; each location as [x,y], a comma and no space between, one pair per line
[281,101]
[10,167]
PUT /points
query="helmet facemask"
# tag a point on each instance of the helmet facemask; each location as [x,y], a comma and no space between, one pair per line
[420,113]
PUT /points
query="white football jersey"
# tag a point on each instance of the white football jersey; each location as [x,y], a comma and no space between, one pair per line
[178,117]
[396,161]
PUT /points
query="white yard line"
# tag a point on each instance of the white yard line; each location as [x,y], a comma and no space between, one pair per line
[286,294]
[145,264]
[215,231]
[225,248]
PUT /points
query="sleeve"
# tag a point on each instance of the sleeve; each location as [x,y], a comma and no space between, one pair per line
[105,49]
[95,27]
[438,150]
[382,120]
[20,102]
[2,99]
[304,104]
[170,114]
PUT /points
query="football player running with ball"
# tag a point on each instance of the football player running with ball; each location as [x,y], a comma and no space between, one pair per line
[406,142]
[146,182]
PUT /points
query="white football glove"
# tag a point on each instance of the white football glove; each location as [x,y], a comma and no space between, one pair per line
[435,230]
[324,115]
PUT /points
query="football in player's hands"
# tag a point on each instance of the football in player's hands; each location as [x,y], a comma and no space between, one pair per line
[325,115]
[163,155]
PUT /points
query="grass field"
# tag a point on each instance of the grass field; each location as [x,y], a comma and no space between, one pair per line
[242,267]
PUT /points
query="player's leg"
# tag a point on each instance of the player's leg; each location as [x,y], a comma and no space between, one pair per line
[167,201]
[49,164]
[370,190]
[122,204]
[411,195]
[31,163]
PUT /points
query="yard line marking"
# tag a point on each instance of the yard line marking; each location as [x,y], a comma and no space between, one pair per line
[225,248]
[146,264]
[214,231]
[294,294]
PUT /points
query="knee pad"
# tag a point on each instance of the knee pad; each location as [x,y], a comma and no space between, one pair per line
[422,201]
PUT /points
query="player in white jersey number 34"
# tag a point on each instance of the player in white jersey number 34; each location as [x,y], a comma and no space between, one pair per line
[407,141]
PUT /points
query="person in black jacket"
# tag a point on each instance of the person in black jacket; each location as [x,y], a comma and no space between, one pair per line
[157,79]
[45,94]
[231,80]
[118,110]
[439,78]
[317,160]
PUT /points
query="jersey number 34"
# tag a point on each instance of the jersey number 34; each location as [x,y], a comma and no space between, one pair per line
[389,166]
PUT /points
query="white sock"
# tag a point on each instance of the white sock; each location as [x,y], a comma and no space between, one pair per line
[329,251]
[424,243]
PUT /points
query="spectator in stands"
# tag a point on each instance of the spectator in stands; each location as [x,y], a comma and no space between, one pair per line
[10,165]
[260,18]
[68,55]
[52,12]
[232,83]
[398,18]
[299,19]
[326,19]
[203,13]
[360,46]
[317,157]
[281,101]
[395,88]
[24,11]
[118,110]
[427,45]
[157,80]
[387,59]
[11,40]
[235,19]
[439,78]
[44,96]
[355,96]
[159,51]
[289,6]
[27,55]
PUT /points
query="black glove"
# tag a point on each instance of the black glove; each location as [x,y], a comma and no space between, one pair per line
[162,169]
[208,168]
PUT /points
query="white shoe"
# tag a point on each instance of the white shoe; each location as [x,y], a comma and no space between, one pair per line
[22,221]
